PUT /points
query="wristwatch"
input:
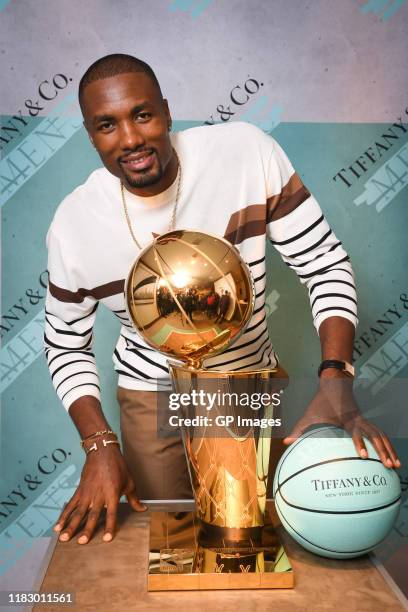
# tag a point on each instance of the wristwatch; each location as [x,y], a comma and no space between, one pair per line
[344,366]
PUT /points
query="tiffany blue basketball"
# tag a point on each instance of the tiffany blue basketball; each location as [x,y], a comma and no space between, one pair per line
[331,501]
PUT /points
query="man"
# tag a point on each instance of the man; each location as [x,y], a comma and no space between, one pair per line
[224,305]
[230,180]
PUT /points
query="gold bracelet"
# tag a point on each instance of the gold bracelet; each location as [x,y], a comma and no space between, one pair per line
[94,446]
[97,434]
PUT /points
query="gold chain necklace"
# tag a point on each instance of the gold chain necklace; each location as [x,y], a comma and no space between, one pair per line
[174,211]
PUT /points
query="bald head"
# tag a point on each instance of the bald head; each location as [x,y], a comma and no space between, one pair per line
[112,65]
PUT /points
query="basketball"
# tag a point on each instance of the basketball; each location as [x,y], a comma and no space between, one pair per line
[331,501]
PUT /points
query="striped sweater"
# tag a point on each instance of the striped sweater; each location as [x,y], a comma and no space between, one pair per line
[238,183]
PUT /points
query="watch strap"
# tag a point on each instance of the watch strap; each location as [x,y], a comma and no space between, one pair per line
[344,366]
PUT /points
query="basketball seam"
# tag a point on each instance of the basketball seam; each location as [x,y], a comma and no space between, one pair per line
[345,552]
[340,511]
[305,437]
[309,467]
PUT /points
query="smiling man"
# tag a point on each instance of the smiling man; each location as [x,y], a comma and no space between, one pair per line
[144,159]
[230,180]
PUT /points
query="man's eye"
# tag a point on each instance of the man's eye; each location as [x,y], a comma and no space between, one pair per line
[105,126]
[143,116]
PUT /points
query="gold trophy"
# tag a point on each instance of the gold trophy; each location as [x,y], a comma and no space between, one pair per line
[190,296]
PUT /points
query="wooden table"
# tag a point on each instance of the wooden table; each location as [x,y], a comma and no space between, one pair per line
[113,577]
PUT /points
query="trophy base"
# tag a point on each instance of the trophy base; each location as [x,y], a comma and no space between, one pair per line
[188,555]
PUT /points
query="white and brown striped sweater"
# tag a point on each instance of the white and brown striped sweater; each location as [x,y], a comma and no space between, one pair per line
[237,183]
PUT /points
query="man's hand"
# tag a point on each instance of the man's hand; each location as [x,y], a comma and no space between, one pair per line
[335,404]
[104,479]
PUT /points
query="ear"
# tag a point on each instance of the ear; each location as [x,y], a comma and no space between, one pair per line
[167,113]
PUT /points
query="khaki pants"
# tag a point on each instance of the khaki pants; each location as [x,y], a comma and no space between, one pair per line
[158,465]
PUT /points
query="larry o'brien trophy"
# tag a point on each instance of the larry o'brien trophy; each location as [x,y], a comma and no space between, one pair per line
[190,295]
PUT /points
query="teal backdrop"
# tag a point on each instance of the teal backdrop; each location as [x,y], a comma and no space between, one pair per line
[40,455]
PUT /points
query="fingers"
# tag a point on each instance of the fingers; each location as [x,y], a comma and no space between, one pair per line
[71,519]
[359,444]
[290,438]
[296,432]
[379,446]
[110,524]
[391,450]
[384,449]
[132,498]
[111,510]
[379,440]
[306,422]
[91,522]
[66,512]
[73,523]
[135,503]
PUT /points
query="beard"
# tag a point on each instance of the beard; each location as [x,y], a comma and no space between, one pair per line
[144,178]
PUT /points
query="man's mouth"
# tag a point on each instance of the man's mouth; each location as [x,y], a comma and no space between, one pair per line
[137,161]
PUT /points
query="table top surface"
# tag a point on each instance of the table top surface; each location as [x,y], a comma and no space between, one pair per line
[113,576]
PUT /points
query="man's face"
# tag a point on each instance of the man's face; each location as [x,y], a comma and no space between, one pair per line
[128,122]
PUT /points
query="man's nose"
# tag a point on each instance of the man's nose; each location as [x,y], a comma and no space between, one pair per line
[130,136]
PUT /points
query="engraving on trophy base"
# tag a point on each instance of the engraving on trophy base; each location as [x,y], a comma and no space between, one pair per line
[187,554]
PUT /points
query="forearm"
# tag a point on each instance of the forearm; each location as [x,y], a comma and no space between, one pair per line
[337,338]
[336,341]
[87,415]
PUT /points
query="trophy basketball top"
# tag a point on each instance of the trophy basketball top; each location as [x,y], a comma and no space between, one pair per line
[189,295]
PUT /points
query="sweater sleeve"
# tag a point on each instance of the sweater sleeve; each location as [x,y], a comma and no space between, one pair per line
[299,231]
[69,319]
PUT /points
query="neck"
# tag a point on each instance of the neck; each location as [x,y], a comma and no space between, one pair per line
[168,178]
